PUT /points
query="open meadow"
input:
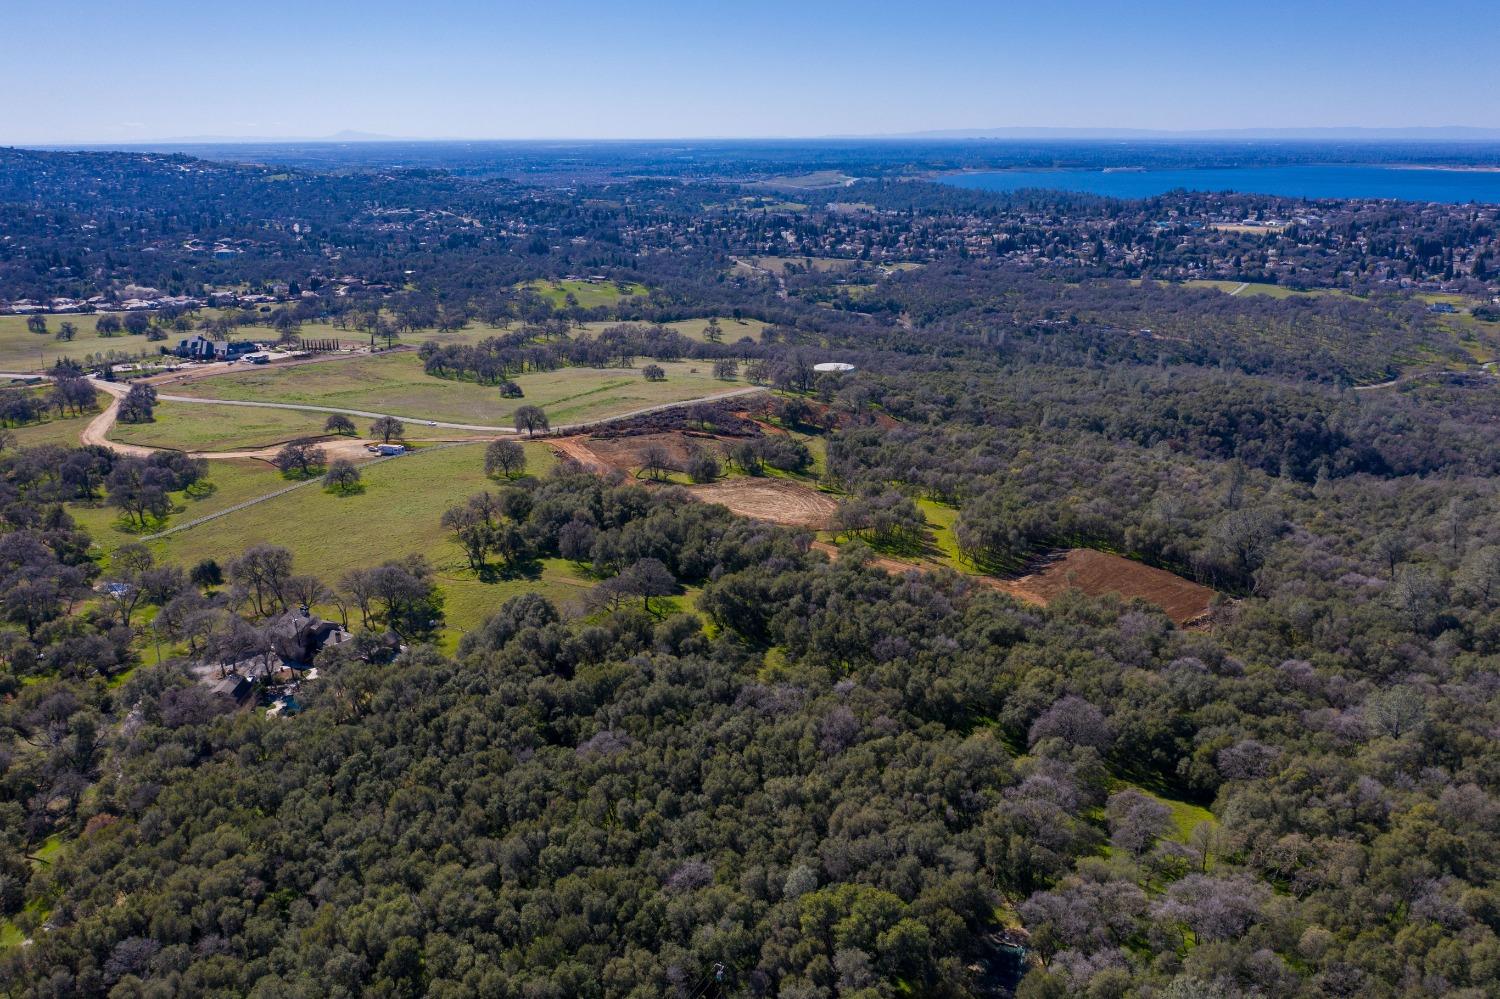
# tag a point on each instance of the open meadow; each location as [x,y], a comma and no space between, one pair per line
[732,330]
[23,350]
[64,431]
[229,482]
[396,514]
[1261,288]
[585,294]
[395,383]
[188,426]
[777,265]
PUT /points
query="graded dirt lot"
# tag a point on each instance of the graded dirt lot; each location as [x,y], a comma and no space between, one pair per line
[577,448]
[1097,573]
[1094,573]
[773,500]
[628,453]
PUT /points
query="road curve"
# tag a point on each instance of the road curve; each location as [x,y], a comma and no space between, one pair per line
[96,432]
[477,427]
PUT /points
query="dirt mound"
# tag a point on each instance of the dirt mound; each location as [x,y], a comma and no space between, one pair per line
[1094,573]
[773,500]
[1097,573]
[721,416]
[577,448]
[628,453]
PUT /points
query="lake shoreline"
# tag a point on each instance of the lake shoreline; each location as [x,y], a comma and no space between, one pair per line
[1317,182]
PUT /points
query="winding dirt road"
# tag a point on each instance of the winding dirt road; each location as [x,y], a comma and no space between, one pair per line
[97,430]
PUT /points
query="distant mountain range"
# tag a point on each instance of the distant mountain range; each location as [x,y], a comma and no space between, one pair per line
[1435,133]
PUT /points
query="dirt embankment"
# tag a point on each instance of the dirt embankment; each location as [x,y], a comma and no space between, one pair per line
[577,449]
[628,453]
[793,504]
[1097,573]
[775,501]
[1094,573]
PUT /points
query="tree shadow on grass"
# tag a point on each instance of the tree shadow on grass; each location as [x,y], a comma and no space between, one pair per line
[531,570]
[908,548]
[127,523]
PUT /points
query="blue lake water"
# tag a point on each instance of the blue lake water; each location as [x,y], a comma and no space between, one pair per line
[1306,181]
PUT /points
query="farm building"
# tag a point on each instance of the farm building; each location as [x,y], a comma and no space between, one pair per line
[201,348]
[833,367]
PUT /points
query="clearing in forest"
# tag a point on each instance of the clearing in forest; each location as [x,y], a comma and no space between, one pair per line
[586,294]
[775,501]
[1098,573]
[629,453]
[395,383]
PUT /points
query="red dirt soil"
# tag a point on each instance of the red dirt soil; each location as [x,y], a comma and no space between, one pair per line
[1094,573]
[1097,573]
[791,504]
[578,450]
[628,453]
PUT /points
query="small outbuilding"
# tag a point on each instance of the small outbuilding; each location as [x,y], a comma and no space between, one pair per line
[833,367]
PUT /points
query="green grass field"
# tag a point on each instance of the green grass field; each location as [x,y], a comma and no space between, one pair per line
[189,426]
[824,264]
[940,521]
[395,383]
[229,482]
[63,431]
[10,934]
[587,295]
[396,515]
[769,205]
[1258,288]
[733,329]
[23,350]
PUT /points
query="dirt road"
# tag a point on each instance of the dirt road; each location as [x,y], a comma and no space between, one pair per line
[476,427]
[97,430]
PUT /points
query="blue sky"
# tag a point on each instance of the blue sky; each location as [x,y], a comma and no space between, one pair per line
[97,71]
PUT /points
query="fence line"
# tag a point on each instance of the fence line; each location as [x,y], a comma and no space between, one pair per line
[296,485]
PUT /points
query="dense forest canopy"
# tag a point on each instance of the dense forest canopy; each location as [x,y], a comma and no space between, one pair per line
[735,766]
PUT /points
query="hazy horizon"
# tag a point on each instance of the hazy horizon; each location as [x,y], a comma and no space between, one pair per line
[1395,135]
[169,70]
